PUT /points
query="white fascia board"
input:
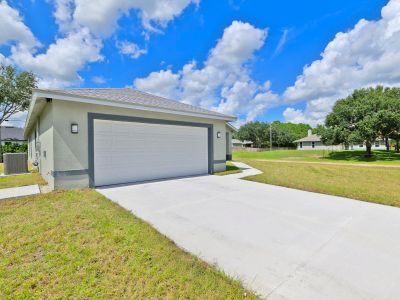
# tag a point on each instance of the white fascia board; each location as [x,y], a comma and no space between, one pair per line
[59,96]
[28,116]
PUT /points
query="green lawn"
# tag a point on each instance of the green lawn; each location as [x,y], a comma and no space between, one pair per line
[20,180]
[373,184]
[230,169]
[78,244]
[379,156]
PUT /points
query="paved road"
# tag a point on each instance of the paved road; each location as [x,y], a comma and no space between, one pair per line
[282,243]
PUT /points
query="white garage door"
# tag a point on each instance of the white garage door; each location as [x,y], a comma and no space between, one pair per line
[130,152]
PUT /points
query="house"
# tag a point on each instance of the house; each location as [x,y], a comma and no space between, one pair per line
[10,134]
[94,137]
[242,144]
[313,142]
[377,145]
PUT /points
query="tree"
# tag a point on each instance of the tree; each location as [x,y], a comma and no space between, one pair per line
[257,132]
[15,92]
[283,134]
[364,116]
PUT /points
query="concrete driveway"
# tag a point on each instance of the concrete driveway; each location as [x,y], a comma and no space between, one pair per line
[282,243]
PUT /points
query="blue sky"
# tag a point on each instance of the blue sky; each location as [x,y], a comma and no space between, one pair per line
[248,54]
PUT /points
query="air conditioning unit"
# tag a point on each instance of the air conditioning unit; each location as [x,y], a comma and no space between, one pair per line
[15,163]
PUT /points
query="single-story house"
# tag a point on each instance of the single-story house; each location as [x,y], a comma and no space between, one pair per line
[242,144]
[313,142]
[94,137]
[377,145]
[10,134]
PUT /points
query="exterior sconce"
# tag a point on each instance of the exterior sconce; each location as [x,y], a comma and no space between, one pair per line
[74,128]
[219,134]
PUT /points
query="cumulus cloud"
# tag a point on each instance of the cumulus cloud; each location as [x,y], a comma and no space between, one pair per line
[101,16]
[162,83]
[82,27]
[366,55]
[58,66]
[223,83]
[13,27]
[130,49]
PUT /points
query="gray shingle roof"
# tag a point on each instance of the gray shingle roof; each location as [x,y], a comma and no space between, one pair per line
[12,134]
[131,96]
[310,138]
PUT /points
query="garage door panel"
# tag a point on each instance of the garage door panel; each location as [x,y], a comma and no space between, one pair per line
[129,151]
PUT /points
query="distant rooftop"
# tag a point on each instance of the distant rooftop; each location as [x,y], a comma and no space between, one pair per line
[9,133]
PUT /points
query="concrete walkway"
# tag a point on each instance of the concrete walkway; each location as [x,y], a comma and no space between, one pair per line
[283,243]
[19,191]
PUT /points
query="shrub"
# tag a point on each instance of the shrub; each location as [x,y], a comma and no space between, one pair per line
[14,148]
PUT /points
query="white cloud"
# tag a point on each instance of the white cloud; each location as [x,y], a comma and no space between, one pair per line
[82,26]
[131,49]
[99,79]
[13,27]
[294,115]
[364,56]
[63,14]
[161,83]
[58,66]
[223,83]
[282,41]
[101,16]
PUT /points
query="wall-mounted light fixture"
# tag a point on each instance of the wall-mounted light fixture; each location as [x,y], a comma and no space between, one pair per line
[219,134]
[74,128]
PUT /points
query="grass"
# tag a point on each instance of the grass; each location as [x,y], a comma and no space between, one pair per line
[378,157]
[20,180]
[230,169]
[372,184]
[78,244]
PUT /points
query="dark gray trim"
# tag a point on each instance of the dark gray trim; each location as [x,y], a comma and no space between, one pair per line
[97,116]
[69,173]
[221,161]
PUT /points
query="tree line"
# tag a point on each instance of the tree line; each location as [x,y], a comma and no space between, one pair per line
[283,134]
[366,115]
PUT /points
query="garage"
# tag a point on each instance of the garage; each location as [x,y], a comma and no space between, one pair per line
[87,137]
[126,152]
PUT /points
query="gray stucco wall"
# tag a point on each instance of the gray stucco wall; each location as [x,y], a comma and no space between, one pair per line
[45,148]
[71,150]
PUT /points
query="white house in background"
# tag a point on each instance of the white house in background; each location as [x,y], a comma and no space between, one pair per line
[377,145]
[313,142]
[242,144]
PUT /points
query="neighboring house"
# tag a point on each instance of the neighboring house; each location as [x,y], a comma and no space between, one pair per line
[94,137]
[377,145]
[10,134]
[313,142]
[242,144]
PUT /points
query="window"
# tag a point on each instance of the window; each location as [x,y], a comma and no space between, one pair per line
[313,144]
[301,144]
[361,145]
[377,144]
